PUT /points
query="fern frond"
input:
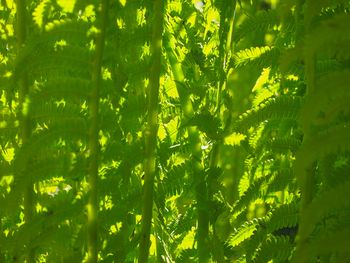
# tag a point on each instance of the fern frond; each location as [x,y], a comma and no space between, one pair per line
[327,65]
[279,249]
[63,87]
[333,38]
[283,179]
[38,13]
[244,232]
[182,223]
[254,191]
[279,108]
[284,144]
[335,242]
[187,255]
[262,57]
[173,182]
[73,59]
[206,123]
[46,225]
[260,22]
[242,259]
[291,61]
[314,8]
[65,29]
[5,168]
[276,138]
[332,200]
[8,129]
[54,165]
[280,222]
[327,103]
[40,141]
[334,140]
[285,216]
[50,113]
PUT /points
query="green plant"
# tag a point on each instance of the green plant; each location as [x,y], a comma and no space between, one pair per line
[174,131]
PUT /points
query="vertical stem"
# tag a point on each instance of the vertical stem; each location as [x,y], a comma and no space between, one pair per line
[151,130]
[2,251]
[299,31]
[24,119]
[310,66]
[123,233]
[201,193]
[198,173]
[159,239]
[218,252]
[92,206]
[21,23]
[305,168]
[225,47]
[225,52]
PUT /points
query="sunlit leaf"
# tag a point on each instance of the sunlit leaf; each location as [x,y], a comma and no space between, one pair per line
[67,5]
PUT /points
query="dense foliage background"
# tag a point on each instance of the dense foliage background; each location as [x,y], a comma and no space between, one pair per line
[174,131]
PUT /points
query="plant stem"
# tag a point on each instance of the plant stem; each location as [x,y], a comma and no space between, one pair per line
[25,131]
[304,168]
[92,206]
[151,130]
[198,173]
[225,46]
[224,55]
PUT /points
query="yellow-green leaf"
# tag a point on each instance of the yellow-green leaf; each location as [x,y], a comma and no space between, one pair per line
[67,5]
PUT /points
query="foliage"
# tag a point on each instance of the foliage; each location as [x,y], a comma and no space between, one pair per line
[197,131]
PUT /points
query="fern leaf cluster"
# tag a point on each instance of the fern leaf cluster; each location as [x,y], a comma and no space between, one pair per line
[174,131]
